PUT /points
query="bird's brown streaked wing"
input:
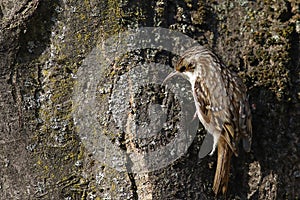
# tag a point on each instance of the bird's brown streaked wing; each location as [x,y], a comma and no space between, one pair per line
[203,97]
[240,110]
[238,120]
[229,136]
[231,127]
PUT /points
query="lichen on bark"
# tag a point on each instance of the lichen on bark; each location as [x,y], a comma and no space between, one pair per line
[43,44]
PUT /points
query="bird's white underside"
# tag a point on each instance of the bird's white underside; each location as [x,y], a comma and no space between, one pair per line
[191,77]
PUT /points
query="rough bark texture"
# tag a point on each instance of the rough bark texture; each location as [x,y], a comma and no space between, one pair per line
[42,46]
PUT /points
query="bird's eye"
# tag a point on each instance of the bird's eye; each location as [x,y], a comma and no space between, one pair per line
[182,68]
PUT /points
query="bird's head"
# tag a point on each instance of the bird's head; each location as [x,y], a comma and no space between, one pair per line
[192,61]
[185,67]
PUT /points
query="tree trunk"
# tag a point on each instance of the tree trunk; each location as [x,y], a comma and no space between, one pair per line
[76,92]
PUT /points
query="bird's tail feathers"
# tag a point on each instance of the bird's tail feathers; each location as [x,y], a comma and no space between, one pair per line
[223,167]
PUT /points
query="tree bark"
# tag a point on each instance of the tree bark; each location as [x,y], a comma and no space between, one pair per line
[46,44]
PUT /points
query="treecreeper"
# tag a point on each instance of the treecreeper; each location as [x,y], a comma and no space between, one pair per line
[222,106]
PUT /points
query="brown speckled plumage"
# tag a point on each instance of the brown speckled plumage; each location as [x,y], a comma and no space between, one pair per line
[222,106]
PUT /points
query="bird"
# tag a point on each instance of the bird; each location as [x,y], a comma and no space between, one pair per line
[222,106]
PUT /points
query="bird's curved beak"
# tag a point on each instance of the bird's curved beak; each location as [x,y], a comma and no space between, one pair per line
[170,76]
